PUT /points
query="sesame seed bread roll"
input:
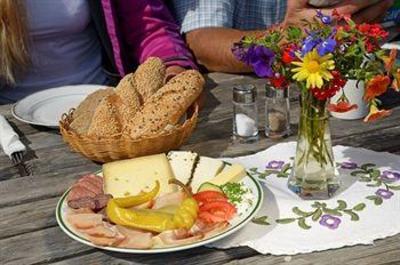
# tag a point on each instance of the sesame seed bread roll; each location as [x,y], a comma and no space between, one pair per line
[84,112]
[106,119]
[127,91]
[149,77]
[167,105]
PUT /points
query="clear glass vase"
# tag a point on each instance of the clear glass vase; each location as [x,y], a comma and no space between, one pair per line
[314,175]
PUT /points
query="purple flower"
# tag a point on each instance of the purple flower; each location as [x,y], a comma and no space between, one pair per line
[327,20]
[241,52]
[275,164]
[330,221]
[348,165]
[326,46]
[309,43]
[385,194]
[390,176]
[261,59]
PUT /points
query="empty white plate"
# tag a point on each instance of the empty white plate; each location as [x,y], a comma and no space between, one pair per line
[45,108]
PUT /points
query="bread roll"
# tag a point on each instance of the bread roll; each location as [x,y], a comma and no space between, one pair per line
[107,120]
[82,116]
[167,105]
[126,89]
[149,77]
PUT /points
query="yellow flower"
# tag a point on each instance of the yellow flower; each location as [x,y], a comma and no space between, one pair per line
[314,69]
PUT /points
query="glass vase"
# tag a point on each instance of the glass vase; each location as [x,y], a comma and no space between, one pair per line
[314,175]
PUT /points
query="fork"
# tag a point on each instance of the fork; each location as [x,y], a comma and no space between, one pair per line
[25,169]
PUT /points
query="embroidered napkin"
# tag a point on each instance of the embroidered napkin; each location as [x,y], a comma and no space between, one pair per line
[9,139]
[366,208]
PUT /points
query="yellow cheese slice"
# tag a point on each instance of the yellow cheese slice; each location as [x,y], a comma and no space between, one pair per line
[130,177]
[234,173]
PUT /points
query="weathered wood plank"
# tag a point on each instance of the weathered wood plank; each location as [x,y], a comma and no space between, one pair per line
[382,252]
[27,217]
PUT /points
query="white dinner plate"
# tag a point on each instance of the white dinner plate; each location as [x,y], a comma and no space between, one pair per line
[45,108]
[235,224]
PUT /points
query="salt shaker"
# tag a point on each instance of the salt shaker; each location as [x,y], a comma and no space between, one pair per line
[277,112]
[245,116]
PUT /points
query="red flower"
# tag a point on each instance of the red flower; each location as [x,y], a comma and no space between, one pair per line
[376,87]
[372,30]
[288,55]
[278,81]
[341,107]
[376,114]
[335,85]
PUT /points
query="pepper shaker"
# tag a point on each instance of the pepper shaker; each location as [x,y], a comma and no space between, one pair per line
[277,112]
[245,115]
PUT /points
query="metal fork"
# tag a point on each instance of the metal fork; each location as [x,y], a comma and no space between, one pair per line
[24,169]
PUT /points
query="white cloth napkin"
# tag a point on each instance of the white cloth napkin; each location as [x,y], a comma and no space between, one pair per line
[9,139]
[369,206]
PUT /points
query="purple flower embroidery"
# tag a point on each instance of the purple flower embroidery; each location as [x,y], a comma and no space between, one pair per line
[348,165]
[384,194]
[275,164]
[330,221]
[261,59]
[390,176]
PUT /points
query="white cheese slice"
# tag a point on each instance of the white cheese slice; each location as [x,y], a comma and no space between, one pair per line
[182,164]
[130,177]
[206,169]
[234,173]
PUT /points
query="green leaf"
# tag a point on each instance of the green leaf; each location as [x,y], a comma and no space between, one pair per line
[378,183]
[342,205]
[262,220]
[375,173]
[358,172]
[317,214]
[254,169]
[378,200]
[354,216]
[332,212]
[394,187]
[299,212]
[285,220]
[282,175]
[285,168]
[302,223]
[359,207]
[367,165]
[371,197]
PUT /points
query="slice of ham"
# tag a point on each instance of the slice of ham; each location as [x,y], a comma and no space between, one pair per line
[135,238]
[85,220]
[104,230]
[172,198]
[105,241]
[175,237]
[207,230]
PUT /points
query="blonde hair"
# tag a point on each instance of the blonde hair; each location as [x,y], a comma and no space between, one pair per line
[14,55]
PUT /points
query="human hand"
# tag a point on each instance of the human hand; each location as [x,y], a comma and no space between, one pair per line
[172,71]
[361,10]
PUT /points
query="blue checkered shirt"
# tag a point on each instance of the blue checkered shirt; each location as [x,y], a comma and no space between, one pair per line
[238,14]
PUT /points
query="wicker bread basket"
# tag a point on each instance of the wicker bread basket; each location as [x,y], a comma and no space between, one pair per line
[115,147]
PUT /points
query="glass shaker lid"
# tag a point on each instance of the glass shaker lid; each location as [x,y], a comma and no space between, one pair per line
[244,93]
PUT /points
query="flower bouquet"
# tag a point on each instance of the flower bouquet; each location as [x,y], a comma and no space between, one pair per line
[319,58]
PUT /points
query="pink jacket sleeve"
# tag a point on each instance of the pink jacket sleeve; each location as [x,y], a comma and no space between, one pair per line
[149,29]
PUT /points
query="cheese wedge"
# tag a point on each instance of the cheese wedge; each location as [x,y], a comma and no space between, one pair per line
[130,177]
[182,164]
[206,169]
[234,173]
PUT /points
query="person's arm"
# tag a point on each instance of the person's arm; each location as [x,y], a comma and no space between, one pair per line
[213,48]
[212,45]
[149,30]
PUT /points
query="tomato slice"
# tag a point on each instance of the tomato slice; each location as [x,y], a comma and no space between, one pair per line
[216,211]
[209,195]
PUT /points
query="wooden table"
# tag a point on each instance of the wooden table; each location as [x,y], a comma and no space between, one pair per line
[29,233]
